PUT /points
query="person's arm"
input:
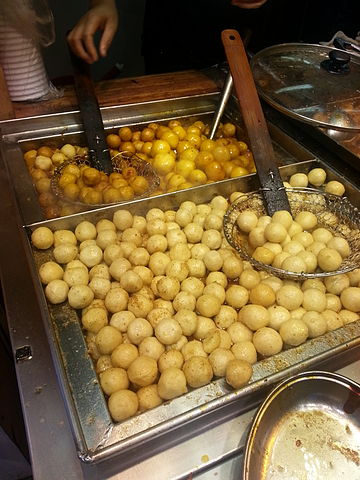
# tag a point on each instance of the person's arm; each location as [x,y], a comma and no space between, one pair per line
[102,15]
[248,3]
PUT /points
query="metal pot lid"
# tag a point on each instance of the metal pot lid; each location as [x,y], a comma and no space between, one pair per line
[316,84]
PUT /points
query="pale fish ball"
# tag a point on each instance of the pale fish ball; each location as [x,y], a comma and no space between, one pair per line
[138,329]
[293,247]
[80,296]
[245,350]
[156,227]
[354,277]
[329,260]
[226,251]
[175,236]
[294,229]
[65,253]
[107,339]
[91,255]
[168,331]
[283,217]
[103,363]
[199,220]
[249,279]
[294,332]
[299,180]
[170,358]
[350,299]
[123,355]
[204,326]
[121,320]
[257,237]
[237,296]
[184,300]
[105,238]
[317,177]
[146,291]
[263,221]
[217,277]
[178,345]
[148,397]
[143,371]
[298,313]
[132,235]
[226,316]
[198,371]
[313,283]
[168,288]
[347,316]
[180,252]
[139,256]
[315,248]
[49,271]
[166,304]
[275,232]
[310,260]
[341,245]
[203,209]
[56,291]
[196,268]
[189,205]
[155,213]
[267,341]
[116,300]
[127,248]
[276,248]
[192,285]
[158,262]
[140,305]
[193,232]
[87,243]
[43,163]
[235,196]
[112,252]
[219,202]
[68,150]
[211,341]
[335,188]
[139,223]
[294,264]
[333,302]
[187,320]
[213,222]
[274,282]
[122,219]
[94,319]
[322,234]
[208,306]
[232,267]
[99,270]
[123,404]
[333,320]
[315,322]
[169,216]
[336,283]
[289,297]
[212,238]
[199,250]
[157,314]
[183,217]
[118,267]
[219,358]
[254,316]
[247,220]
[305,238]
[151,347]
[85,230]
[177,269]
[239,332]
[262,294]
[238,373]
[263,255]
[172,383]
[75,264]
[213,261]
[277,316]
[215,290]
[144,273]
[306,219]
[105,224]
[76,276]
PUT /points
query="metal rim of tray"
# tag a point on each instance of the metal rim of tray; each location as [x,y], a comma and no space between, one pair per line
[333,212]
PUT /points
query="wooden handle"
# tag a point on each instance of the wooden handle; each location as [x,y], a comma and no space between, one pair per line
[269,177]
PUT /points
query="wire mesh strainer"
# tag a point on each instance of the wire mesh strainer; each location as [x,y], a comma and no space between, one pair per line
[119,162]
[333,212]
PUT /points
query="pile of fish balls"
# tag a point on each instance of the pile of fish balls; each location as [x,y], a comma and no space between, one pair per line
[167,307]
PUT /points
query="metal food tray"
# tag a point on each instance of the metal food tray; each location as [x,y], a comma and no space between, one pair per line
[96,436]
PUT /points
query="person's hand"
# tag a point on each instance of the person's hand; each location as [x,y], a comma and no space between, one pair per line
[102,16]
[248,3]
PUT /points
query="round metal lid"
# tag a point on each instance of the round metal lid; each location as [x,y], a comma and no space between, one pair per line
[316,84]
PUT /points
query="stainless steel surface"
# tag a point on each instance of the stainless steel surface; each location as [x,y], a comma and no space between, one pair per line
[50,411]
[220,108]
[307,427]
